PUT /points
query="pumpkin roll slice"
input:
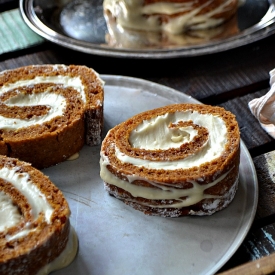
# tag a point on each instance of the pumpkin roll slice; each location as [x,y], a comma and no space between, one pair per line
[172,16]
[35,232]
[176,160]
[48,112]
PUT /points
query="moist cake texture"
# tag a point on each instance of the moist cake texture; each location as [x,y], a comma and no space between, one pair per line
[48,112]
[35,229]
[177,160]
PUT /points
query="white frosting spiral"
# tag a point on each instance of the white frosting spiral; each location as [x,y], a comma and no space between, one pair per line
[35,198]
[34,221]
[9,214]
[56,103]
[156,134]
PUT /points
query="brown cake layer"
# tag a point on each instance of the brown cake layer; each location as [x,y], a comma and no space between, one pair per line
[44,240]
[50,142]
[218,177]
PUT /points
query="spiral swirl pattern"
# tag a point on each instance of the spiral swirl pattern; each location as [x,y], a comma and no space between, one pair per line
[34,217]
[176,160]
[47,112]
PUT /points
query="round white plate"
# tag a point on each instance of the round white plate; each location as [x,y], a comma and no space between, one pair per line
[115,239]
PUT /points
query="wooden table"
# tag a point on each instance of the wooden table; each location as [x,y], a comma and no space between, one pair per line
[229,79]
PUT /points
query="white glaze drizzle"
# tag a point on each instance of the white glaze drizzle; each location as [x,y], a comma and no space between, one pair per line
[193,195]
[65,258]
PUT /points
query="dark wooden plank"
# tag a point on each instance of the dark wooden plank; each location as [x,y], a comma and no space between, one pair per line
[211,79]
[253,135]
[15,60]
[8,5]
[259,242]
[217,77]
[265,166]
[2,2]
[262,266]
[205,78]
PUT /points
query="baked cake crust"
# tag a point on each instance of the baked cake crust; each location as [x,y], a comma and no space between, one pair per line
[163,181]
[41,213]
[39,131]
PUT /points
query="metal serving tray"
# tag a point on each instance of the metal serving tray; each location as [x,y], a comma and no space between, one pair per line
[80,25]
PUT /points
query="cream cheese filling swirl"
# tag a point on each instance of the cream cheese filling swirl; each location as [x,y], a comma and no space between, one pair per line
[10,215]
[55,103]
[34,216]
[174,149]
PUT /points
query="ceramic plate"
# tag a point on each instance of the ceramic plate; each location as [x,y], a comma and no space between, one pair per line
[80,25]
[115,239]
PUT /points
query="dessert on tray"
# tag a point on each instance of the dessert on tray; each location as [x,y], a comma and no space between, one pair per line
[35,232]
[48,112]
[177,160]
[119,37]
[172,16]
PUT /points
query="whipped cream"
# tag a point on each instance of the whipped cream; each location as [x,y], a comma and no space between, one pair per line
[134,14]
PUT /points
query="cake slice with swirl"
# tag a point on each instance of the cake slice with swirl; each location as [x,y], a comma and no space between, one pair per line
[176,160]
[35,232]
[48,112]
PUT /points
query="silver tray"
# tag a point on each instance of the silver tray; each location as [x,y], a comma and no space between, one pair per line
[80,25]
[115,239]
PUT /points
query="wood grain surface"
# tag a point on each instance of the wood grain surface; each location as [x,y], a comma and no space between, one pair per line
[263,266]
